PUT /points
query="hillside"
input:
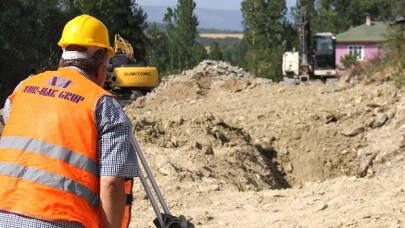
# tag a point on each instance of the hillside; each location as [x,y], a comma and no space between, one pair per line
[231,150]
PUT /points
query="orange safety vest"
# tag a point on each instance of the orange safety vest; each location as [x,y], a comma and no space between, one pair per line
[48,150]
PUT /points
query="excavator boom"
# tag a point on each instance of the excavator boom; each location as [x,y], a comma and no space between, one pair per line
[315,57]
[123,46]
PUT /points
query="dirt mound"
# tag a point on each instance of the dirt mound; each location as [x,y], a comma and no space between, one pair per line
[234,161]
[214,134]
[313,132]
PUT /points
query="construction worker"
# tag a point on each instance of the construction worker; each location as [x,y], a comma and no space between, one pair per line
[66,153]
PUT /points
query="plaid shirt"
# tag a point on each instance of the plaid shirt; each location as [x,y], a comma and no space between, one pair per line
[116,155]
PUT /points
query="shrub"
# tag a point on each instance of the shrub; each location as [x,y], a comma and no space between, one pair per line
[348,61]
[395,51]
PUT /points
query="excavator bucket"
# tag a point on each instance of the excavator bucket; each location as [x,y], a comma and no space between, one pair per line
[171,221]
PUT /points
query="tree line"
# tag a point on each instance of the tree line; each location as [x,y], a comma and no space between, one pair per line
[30,30]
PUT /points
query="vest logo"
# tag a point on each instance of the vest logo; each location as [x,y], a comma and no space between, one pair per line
[59,82]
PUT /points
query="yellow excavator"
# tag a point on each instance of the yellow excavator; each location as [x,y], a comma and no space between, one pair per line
[127,80]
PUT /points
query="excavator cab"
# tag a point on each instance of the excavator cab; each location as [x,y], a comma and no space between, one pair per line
[118,60]
[324,53]
[126,79]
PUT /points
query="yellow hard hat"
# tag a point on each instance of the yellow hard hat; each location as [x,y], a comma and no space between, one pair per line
[85,30]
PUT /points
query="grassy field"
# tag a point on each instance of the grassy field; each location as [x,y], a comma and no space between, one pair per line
[222,35]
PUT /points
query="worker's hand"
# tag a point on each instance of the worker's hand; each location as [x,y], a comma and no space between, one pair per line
[112,197]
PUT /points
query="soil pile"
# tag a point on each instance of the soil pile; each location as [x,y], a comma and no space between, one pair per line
[231,150]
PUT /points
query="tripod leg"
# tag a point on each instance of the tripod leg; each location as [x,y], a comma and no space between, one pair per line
[150,176]
[151,198]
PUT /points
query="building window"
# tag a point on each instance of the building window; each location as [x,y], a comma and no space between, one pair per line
[357,50]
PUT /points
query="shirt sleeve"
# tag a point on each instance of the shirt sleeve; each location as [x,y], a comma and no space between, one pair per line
[116,153]
[6,110]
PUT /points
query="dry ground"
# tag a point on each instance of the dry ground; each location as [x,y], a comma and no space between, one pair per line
[231,151]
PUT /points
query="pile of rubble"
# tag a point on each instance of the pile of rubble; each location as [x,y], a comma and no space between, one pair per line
[205,76]
[217,68]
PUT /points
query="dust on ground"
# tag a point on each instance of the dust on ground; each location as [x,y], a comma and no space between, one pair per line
[231,150]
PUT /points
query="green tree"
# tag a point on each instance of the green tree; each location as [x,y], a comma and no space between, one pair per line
[200,53]
[170,20]
[29,34]
[236,53]
[123,17]
[215,52]
[156,49]
[395,51]
[181,25]
[338,15]
[263,20]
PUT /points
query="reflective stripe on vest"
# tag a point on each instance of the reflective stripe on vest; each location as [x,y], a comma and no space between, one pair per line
[47,149]
[49,179]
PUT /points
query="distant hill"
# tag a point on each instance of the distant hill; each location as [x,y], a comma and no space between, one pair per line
[230,20]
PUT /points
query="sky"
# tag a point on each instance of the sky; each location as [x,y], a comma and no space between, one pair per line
[209,4]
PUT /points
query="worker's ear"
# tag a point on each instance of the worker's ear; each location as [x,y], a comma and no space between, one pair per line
[100,75]
[99,70]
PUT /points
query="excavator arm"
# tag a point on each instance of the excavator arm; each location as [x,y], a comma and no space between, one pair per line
[123,46]
[310,62]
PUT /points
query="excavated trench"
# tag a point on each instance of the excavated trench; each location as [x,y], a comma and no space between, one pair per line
[250,133]
[229,155]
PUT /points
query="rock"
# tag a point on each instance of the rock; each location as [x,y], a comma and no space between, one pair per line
[209,151]
[178,120]
[167,169]
[289,168]
[366,159]
[221,137]
[175,142]
[283,151]
[330,118]
[322,207]
[380,121]
[352,131]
